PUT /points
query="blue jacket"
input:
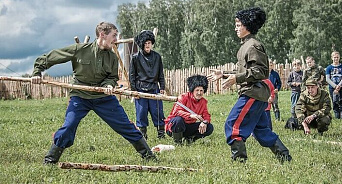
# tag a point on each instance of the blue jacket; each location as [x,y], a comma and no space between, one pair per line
[275,79]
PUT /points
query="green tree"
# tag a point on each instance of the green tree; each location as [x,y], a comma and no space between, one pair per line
[126,19]
[317,28]
[201,32]
[278,28]
[167,16]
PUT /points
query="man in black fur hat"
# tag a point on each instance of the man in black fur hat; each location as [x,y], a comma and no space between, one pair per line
[146,71]
[189,117]
[248,114]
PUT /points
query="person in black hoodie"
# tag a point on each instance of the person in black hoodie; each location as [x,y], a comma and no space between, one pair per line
[145,73]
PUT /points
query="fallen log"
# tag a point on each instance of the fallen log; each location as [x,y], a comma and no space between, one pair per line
[117,168]
[97,89]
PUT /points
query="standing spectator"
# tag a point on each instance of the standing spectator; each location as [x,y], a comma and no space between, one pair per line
[248,114]
[275,79]
[295,81]
[270,100]
[313,71]
[333,76]
[93,64]
[146,71]
[189,117]
[313,108]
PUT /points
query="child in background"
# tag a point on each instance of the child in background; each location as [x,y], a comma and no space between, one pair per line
[295,82]
[270,100]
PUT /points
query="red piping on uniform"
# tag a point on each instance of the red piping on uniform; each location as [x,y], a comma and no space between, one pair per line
[236,126]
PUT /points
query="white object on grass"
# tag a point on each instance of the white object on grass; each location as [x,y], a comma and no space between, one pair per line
[161,147]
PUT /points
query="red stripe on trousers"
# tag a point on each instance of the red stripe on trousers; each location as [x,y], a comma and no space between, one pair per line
[236,126]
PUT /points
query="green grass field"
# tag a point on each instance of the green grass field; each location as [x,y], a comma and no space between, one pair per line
[26,129]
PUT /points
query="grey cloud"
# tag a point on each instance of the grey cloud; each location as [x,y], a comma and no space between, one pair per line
[43,29]
[89,3]
[3,10]
[26,67]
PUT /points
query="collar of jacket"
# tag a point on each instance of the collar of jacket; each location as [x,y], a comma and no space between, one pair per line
[313,67]
[246,38]
[316,97]
[97,48]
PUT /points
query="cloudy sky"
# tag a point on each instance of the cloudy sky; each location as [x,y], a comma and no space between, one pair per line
[29,28]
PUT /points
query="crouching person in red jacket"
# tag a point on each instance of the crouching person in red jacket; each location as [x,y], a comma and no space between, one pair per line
[189,117]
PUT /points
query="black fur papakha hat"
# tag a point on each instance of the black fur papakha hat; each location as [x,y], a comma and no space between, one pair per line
[143,36]
[252,18]
[197,80]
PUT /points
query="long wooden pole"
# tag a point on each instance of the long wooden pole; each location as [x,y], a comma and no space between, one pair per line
[115,49]
[117,168]
[129,40]
[97,89]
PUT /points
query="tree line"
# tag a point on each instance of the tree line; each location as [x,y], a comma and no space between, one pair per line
[201,32]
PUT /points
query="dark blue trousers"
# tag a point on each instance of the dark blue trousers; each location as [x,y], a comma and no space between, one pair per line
[269,119]
[108,108]
[248,116]
[155,107]
[188,129]
[335,98]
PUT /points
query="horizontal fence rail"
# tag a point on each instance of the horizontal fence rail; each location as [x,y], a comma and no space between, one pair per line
[175,83]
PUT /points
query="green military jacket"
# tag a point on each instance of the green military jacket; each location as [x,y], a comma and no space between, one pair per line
[320,105]
[91,66]
[252,69]
[315,72]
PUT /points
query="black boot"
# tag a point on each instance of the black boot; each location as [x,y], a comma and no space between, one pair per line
[177,137]
[143,130]
[238,149]
[277,115]
[337,115]
[145,151]
[280,151]
[191,139]
[53,155]
[161,132]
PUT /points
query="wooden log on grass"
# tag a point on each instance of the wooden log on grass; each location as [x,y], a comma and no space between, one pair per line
[97,89]
[117,168]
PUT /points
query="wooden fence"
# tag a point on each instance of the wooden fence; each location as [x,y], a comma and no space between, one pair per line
[175,83]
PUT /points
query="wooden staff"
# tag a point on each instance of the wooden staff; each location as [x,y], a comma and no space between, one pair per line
[76,39]
[115,49]
[97,89]
[86,39]
[117,168]
[129,40]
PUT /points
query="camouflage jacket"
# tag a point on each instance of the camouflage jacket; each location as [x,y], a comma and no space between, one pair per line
[316,72]
[320,105]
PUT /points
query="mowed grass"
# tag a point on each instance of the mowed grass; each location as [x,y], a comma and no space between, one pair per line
[26,129]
